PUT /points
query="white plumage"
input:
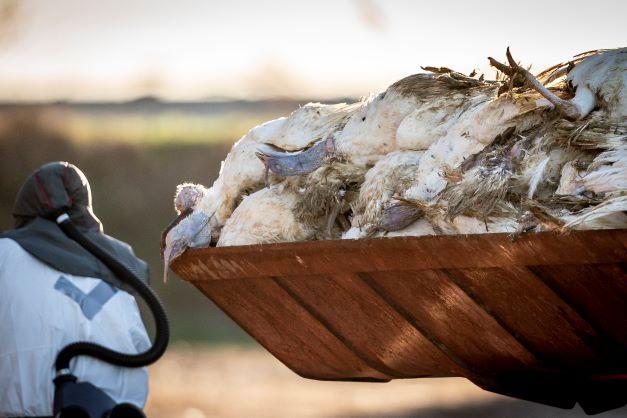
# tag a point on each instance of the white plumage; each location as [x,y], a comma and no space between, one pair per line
[601,79]
[608,171]
[430,122]
[570,180]
[370,132]
[264,217]
[310,123]
[389,177]
[443,154]
[241,172]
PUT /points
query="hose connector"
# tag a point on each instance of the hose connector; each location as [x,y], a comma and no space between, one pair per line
[64,217]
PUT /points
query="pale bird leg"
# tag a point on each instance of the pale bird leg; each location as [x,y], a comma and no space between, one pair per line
[570,110]
[501,67]
[332,217]
[266,173]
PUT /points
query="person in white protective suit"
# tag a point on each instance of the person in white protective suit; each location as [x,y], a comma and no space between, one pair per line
[53,293]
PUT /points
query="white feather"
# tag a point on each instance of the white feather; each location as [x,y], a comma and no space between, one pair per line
[569,180]
[370,132]
[608,171]
[380,185]
[607,208]
[602,76]
[265,216]
[537,177]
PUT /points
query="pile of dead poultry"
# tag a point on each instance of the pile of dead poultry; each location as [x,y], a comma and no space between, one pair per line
[436,153]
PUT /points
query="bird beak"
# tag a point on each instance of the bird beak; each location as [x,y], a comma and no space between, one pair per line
[192,230]
[169,254]
[184,214]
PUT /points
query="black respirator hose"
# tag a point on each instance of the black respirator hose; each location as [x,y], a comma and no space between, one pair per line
[84,348]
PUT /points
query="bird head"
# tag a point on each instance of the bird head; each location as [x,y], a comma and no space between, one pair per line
[191,228]
[187,196]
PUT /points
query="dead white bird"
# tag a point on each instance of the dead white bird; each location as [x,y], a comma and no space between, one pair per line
[531,165]
[477,148]
[372,128]
[608,171]
[243,173]
[389,177]
[304,141]
[245,169]
[266,216]
[191,228]
[474,129]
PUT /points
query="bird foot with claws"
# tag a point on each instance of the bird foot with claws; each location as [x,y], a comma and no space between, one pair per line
[284,164]
[568,109]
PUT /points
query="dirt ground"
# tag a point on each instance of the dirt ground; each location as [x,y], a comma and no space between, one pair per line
[231,381]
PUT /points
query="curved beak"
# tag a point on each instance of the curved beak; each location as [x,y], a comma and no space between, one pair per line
[192,230]
[184,214]
[169,254]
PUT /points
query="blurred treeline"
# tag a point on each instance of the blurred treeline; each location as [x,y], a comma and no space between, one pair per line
[133,181]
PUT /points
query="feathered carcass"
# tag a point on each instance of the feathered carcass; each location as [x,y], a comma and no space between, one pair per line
[436,153]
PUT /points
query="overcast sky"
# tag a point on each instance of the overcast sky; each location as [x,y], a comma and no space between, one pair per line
[196,49]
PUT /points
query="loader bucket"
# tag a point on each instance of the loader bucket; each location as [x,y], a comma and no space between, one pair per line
[542,318]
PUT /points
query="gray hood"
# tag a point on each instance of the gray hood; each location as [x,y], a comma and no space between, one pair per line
[57,188]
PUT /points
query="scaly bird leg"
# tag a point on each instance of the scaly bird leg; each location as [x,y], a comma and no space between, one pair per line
[266,174]
[335,211]
[570,110]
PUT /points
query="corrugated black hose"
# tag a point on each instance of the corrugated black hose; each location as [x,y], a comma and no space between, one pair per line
[84,348]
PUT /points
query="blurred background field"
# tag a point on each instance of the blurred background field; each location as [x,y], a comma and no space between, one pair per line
[234,381]
[143,95]
[134,155]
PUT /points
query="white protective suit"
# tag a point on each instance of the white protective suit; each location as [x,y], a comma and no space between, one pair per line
[41,311]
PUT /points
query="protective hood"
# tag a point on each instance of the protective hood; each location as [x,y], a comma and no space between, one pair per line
[57,188]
